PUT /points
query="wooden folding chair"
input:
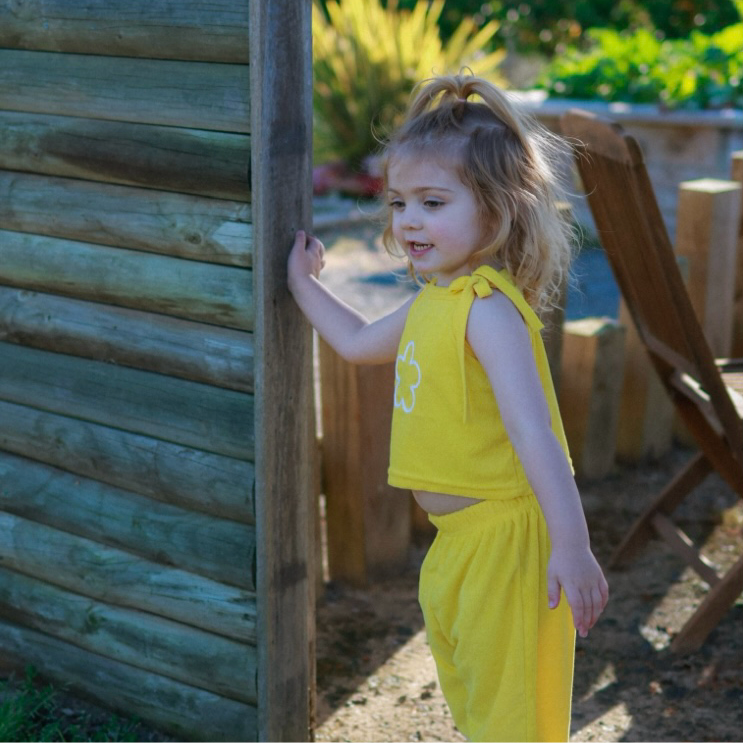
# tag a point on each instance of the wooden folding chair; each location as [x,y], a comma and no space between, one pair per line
[707,394]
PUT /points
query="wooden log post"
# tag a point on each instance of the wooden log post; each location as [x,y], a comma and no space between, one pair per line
[554,316]
[591,382]
[736,350]
[368,522]
[554,321]
[281,167]
[707,239]
[645,427]
[707,236]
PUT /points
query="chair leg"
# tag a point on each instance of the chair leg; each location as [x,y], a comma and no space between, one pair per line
[714,607]
[668,500]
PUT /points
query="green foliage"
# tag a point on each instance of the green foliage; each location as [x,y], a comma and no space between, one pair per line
[31,712]
[368,57]
[546,25]
[703,71]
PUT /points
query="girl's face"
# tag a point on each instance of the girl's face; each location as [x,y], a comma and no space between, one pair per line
[434,217]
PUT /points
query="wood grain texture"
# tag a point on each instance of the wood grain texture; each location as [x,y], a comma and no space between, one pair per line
[645,426]
[117,577]
[736,174]
[216,31]
[175,410]
[168,345]
[216,548]
[179,225]
[203,292]
[172,473]
[162,646]
[281,89]
[368,521]
[707,226]
[186,712]
[195,95]
[156,157]
[591,382]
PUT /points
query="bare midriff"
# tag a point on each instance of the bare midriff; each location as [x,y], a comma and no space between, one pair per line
[442,503]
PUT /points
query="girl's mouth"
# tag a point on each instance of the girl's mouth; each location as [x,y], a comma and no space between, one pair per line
[417,249]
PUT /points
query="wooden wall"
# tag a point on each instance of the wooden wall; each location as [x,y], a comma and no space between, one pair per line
[127,444]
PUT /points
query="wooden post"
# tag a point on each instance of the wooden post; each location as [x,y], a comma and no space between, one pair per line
[554,321]
[645,428]
[281,133]
[368,522]
[554,317]
[736,350]
[707,236]
[592,371]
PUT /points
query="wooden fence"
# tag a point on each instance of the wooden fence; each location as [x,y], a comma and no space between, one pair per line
[131,378]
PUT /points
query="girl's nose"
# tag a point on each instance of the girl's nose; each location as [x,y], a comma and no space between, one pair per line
[410,219]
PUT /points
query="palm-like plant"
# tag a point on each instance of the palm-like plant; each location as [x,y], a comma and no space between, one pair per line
[367,58]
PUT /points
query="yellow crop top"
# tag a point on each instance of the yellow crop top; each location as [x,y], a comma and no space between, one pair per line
[447,432]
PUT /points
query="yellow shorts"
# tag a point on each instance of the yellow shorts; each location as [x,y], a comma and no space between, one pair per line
[504,659]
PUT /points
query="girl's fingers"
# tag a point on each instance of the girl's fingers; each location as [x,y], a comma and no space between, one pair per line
[553,591]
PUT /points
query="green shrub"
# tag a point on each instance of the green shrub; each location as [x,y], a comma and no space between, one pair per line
[368,57]
[703,71]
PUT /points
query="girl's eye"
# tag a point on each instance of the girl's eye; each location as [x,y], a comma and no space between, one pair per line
[433,203]
[396,204]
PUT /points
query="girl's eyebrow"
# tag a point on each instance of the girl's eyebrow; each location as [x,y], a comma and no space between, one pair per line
[420,189]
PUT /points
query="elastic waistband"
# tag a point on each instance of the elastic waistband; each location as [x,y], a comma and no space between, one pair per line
[482,513]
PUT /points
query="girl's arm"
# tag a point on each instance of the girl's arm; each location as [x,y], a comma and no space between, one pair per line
[349,333]
[500,340]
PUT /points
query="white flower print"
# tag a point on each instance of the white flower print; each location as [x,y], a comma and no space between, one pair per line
[407,378]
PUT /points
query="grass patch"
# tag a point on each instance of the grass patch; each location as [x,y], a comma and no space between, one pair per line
[30,711]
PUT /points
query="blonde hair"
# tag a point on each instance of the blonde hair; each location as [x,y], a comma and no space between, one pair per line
[507,160]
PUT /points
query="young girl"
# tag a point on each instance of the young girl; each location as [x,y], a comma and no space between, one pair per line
[476,432]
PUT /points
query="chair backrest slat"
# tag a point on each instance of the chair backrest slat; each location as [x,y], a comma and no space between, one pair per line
[632,231]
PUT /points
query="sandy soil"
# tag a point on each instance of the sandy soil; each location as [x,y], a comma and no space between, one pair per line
[377,681]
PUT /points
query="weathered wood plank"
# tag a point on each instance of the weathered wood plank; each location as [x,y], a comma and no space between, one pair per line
[175,410]
[591,383]
[121,578]
[203,353]
[195,95]
[645,426]
[162,646]
[216,31]
[709,215]
[190,161]
[180,225]
[736,174]
[185,477]
[368,521]
[203,292]
[215,548]
[184,711]
[281,87]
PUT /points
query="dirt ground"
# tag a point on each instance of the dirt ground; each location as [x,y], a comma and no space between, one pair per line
[377,681]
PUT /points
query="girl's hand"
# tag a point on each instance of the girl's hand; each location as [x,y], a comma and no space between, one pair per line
[581,578]
[305,259]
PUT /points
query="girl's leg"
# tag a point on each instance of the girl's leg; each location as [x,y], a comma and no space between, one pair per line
[504,659]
